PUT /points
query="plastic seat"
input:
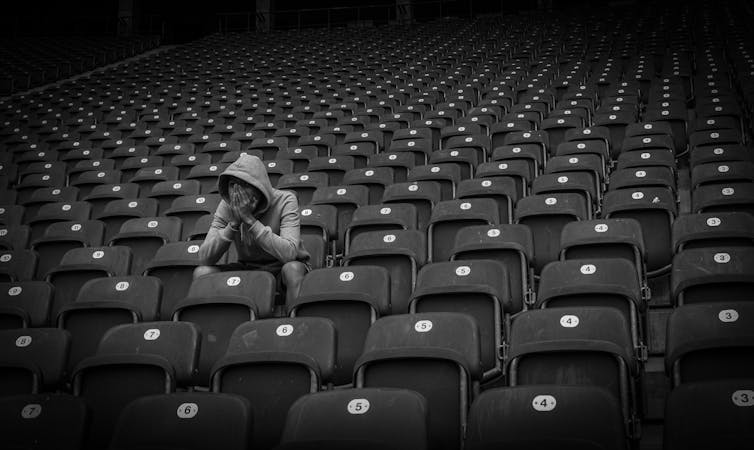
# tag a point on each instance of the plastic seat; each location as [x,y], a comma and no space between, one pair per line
[206,175]
[103,303]
[43,421]
[655,210]
[352,298]
[449,218]
[24,304]
[346,199]
[174,265]
[400,162]
[709,414]
[303,185]
[434,354]
[144,236]
[190,208]
[42,196]
[717,274]
[87,181]
[273,362]
[133,361]
[17,265]
[117,212]
[80,265]
[728,197]
[217,303]
[366,418]
[189,421]
[103,194]
[569,417]
[60,237]
[710,341]
[319,229]
[424,195]
[401,252]
[57,212]
[375,179]
[479,288]
[32,360]
[589,346]
[546,215]
[447,175]
[707,230]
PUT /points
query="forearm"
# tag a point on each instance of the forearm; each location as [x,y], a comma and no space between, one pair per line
[283,248]
[216,244]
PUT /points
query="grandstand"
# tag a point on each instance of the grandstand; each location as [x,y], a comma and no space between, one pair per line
[528,229]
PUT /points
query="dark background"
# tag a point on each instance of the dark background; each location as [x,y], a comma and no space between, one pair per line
[179,21]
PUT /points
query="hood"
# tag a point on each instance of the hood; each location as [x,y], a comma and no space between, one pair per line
[250,169]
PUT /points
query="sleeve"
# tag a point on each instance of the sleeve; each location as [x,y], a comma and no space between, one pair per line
[219,237]
[283,247]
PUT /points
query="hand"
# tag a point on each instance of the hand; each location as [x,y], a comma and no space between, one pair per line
[242,204]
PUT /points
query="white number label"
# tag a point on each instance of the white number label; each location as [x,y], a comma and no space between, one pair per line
[601,227]
[23,341]
[187,410]
[122,286]
[569,321]
[722,258]
[544,403]
[31,411]
[284,330]
[588,269]
[637,195]
[549,201]
[423,326]
[388,238]
[346,276]
[714,222]
[743,398]
[728,315]
[151,334]
[233,281]
[193,248]
[358,406]
[14,291]
[463,271]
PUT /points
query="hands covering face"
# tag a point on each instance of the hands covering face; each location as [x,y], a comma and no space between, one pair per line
[243,203]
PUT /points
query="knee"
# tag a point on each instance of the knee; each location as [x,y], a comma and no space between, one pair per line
[204,270]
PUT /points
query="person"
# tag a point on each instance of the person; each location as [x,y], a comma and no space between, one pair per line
[261,221]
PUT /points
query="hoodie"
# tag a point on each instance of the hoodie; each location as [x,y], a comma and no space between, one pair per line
[275,236]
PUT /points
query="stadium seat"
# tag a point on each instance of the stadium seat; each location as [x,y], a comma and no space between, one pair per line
[174,265]
[188,420]
[25,304]
[217,303]
[43,421]
[352,298]
[369,418]
[718,274]
[32,360]
[434,354]
[273,362]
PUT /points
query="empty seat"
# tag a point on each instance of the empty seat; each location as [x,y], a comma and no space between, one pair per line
[575,346]
[102,194]
[57,212]
[718,274]
[60,237]
[133,361]
[401,252]
[655,209]
[187,420]
[724,229]
[80,265]
[174,265]
[273,362]
[424,195]
[103,303]
[25,304]
[117,212]
[369,418]
[144,236]
[710,341]
[709,414]
[478,288]
[17,265]
[450,217]
[190,208]
[352,298]
[43,421]
[729,197]
[346,199]
[546,215]
[303,184]
[434,354]
[218,303]
[568,417]
[32,360]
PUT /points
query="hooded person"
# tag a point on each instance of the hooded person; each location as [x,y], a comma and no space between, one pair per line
[261,221]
